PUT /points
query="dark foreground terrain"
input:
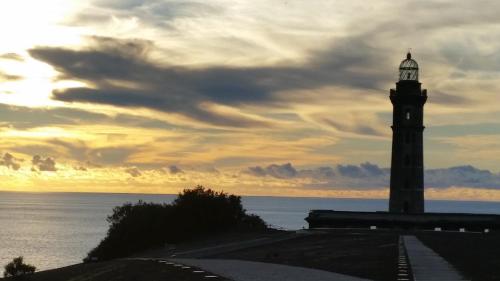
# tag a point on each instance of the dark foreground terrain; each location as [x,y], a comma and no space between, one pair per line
[370,254]
[366,254]
[476,255]
[120,270]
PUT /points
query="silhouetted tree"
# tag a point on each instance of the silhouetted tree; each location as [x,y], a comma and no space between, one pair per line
[204,210]
[17,268]
[133,227]
[195,212]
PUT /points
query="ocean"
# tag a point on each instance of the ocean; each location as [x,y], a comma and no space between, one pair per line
[57,229]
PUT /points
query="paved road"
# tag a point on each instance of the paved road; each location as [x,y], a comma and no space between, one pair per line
[427,265]
[257,271]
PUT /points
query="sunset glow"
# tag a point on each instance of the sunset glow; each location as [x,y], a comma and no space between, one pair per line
[282,98]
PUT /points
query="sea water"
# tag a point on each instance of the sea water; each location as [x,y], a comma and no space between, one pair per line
[57,229]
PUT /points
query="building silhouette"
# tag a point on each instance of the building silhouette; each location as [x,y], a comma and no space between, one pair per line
[406,203]
[407,163]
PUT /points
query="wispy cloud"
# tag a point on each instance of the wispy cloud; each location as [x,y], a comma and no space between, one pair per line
[149,96]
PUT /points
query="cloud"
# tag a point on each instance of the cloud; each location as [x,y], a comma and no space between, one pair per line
[43,164]
[9,161]
[133,171]
[81,151]
[80,168]
[111,155]
[12,56]
[274,170]
[9,77]
[470,55]
[22,117]
[369,176]
[173,169]
[157,13]
[361,129]
[467,176]
[192,92]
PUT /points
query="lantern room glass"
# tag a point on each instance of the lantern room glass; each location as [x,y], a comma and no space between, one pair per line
[408,69]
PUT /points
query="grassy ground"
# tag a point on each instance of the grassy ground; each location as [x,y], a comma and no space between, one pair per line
[363,253]
[119,270]
[371,255]
[475,255]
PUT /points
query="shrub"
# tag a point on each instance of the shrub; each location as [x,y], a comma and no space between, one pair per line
[17,268]
[133,227]
[195,212]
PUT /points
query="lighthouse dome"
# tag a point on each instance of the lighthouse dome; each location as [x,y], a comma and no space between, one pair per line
[408,69]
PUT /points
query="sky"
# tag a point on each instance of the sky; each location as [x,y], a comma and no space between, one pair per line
[263,97]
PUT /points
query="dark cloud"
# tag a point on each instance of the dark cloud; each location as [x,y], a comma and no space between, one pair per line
[111,155]
[34,149]
[469,56]
[173,169]
[321,173]
[284,171]
[468,176]
[21,117]
[9,161]
[257,171]
[351,171]
[372,169]
[133,171]
[80,151]
[187,90]
[364,176]
[75,150]
[369,176]
[43,164]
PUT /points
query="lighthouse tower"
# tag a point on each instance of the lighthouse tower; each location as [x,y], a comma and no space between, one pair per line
[407,163]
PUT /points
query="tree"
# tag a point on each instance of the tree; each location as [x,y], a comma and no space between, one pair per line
[196,212]
[17,268]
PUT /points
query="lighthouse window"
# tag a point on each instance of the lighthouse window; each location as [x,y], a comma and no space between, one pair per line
[408,115]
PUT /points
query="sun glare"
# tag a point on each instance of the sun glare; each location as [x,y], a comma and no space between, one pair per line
[25,24]
[35,22]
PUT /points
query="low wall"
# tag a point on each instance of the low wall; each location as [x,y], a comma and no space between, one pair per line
[445,221]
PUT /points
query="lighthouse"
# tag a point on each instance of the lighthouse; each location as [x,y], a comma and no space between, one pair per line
[407,163]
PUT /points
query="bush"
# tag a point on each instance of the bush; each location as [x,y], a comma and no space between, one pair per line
[195,212]
[17,268]
[133,228]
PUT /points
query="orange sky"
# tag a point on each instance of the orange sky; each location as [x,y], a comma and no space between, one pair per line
[260,97]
